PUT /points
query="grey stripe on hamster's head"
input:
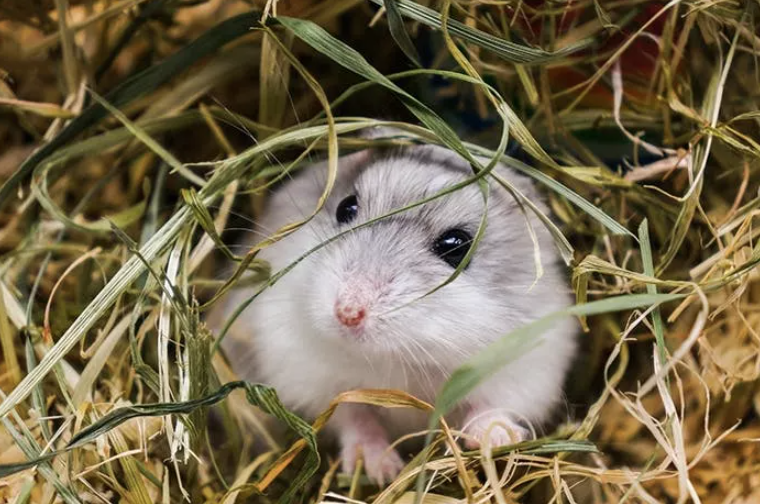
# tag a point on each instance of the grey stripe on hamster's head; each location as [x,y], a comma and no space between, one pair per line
[423,153]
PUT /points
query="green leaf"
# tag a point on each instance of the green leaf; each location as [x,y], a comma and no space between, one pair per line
[399,33]
[509,51]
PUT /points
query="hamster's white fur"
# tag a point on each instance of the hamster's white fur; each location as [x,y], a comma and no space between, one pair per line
[290,337]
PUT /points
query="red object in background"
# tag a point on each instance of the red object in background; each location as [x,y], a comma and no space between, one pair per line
[639,59]
[637,62]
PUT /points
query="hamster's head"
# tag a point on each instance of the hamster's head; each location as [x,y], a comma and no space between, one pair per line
[375,287]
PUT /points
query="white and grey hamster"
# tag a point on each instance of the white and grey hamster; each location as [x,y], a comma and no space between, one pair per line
[352,314]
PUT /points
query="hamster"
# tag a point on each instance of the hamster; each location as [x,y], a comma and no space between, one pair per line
[353,314]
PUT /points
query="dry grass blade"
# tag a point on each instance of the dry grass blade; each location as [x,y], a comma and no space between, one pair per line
[129,90]
[121,209]
[8,343]
[42,109]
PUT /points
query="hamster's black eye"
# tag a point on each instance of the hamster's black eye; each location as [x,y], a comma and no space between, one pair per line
[347,209]
[452,246]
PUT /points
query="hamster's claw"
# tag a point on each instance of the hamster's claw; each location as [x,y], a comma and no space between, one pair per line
[381,464]
[500,429]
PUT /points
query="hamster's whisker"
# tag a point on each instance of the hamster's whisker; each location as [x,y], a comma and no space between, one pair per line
[368,361]
[234,214]
[419,367]
[258,227]
[266,231]
[404,365]
[269,155]
[430,357]
[398,351]
[320,236]
[402,305]
[245,230]
[457,353]
[425,368]
[455,347]
[277,325]
[270,302]
[237,124]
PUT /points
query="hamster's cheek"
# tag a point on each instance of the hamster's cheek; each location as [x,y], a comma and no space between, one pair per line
[320,289]
[465,316]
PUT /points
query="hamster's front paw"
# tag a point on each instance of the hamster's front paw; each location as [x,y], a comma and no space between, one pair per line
[361,434]
[498,426]
[382,464]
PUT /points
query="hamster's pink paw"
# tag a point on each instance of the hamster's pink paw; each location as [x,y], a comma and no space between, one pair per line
[381,464]
[499,427]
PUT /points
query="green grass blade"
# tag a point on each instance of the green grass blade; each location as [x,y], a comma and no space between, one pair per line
[593,211]
[646,259]
[399,33]
[204,219]
[544,446]
[509,51]
[38,395]
[516,343]
[146,139]
[556,186]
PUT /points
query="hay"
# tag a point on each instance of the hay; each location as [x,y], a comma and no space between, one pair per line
[641,119]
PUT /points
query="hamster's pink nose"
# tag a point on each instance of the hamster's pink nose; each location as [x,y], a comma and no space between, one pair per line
[350,315]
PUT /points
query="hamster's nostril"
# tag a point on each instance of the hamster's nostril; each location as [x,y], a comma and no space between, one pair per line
[350,315]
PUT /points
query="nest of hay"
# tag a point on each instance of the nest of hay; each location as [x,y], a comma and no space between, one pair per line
[134,132]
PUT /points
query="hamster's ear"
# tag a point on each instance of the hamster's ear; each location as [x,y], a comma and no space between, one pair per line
[350,165]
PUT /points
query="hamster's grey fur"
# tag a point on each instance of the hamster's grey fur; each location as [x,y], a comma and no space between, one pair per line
[290,338]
